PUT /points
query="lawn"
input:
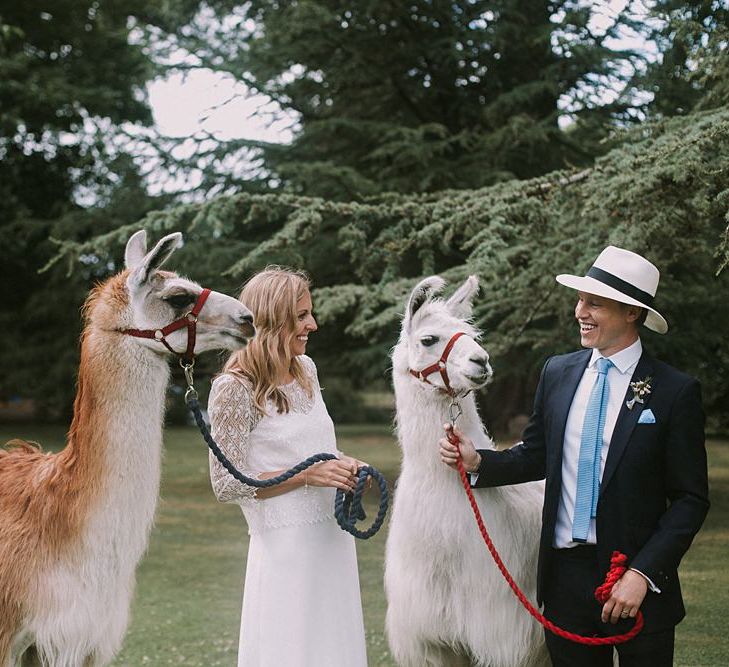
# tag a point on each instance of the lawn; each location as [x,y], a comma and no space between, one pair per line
[189,585]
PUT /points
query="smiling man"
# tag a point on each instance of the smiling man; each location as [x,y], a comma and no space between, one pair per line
[619,437]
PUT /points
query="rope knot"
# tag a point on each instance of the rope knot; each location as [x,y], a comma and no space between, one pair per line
[618,565]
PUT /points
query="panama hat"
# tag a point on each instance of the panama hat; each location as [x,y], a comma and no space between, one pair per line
[623,276]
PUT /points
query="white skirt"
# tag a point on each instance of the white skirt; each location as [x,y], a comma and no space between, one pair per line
[301,600]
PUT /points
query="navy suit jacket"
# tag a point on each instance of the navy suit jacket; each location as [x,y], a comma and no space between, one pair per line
[654,491]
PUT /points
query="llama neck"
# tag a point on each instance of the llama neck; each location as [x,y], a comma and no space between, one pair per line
[113,456]
[421,414]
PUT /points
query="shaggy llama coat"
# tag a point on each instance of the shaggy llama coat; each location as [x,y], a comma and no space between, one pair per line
[74,525]
[447,602]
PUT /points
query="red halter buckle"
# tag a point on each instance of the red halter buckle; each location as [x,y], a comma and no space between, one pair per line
[188,320]
[440,365]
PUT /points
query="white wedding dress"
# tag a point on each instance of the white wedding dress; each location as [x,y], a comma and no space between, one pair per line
[301,598]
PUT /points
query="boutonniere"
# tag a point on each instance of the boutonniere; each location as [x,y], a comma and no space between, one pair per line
[641,388]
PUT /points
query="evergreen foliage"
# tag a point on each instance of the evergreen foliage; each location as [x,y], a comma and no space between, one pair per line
[692,70]
[70,75]
[389,100]
[419,96]
[663,193]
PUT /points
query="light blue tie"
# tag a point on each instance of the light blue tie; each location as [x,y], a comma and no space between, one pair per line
[588,465]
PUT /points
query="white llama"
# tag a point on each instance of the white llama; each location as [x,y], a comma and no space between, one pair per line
[447,602]
[74,525]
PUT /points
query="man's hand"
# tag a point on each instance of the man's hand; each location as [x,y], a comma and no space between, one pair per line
[626,597]
[449,452]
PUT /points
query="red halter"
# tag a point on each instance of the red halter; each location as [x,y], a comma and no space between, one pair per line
[440,365]
[188,320]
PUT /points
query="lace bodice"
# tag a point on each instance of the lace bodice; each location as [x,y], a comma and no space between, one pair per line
[256,443]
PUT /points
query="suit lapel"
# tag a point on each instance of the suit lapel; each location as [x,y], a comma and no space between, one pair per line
[627,419]
[562,398]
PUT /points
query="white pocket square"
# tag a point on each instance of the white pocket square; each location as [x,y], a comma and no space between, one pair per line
[647,417]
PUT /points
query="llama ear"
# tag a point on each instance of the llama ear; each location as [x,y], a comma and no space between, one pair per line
[420,294]
[136,249]
[460,301]
[156,257]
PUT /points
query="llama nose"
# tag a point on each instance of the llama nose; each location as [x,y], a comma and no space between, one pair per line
[480,361]
[243,316]
[245,321]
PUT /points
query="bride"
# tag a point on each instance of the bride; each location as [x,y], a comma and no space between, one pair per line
[301,599]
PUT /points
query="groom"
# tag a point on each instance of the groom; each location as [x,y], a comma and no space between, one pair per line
[619,437]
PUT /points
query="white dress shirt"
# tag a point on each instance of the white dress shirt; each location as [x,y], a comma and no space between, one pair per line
[618,379]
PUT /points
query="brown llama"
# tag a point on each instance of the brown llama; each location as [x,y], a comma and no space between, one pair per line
[74,525]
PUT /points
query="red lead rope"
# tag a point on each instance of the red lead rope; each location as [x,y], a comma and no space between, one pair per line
[602,593]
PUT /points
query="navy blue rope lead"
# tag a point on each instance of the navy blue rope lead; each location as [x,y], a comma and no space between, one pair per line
[347,506]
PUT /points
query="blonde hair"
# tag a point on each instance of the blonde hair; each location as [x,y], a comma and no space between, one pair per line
[271,295]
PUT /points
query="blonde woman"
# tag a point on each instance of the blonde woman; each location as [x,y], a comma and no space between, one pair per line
[301,599]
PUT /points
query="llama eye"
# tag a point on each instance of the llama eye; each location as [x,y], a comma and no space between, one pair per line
[178,301]
[429,340]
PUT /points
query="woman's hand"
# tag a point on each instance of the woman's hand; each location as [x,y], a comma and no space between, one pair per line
[357,465]
[352,462]
[338,473]
[449,452]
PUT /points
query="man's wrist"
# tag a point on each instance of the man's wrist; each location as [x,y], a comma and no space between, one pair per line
[475,467]
[649,582]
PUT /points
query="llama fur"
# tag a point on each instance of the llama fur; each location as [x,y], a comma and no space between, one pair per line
[448,604]
[74,524]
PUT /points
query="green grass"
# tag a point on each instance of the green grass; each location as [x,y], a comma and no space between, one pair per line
[703,637]
[187,604]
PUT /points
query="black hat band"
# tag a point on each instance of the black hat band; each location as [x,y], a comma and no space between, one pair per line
[619,284]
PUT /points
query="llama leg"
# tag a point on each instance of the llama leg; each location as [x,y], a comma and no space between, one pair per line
[92,661]
[30,658]
[439,655]
[12,642]
[411,656]
[20,653]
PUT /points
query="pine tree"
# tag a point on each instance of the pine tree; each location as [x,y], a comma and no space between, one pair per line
[70,75]
[664,194]
[692,69]
[420,96]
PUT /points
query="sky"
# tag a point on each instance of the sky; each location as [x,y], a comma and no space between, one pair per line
[214,102]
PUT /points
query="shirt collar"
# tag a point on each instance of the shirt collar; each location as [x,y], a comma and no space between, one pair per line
[624,360]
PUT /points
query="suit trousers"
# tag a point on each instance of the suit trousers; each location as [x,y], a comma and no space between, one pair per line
[569,602]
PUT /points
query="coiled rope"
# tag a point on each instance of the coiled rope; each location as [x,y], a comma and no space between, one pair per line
[347,506]
[602,593]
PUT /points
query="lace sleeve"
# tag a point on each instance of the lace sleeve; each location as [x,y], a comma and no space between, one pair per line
[232,418]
